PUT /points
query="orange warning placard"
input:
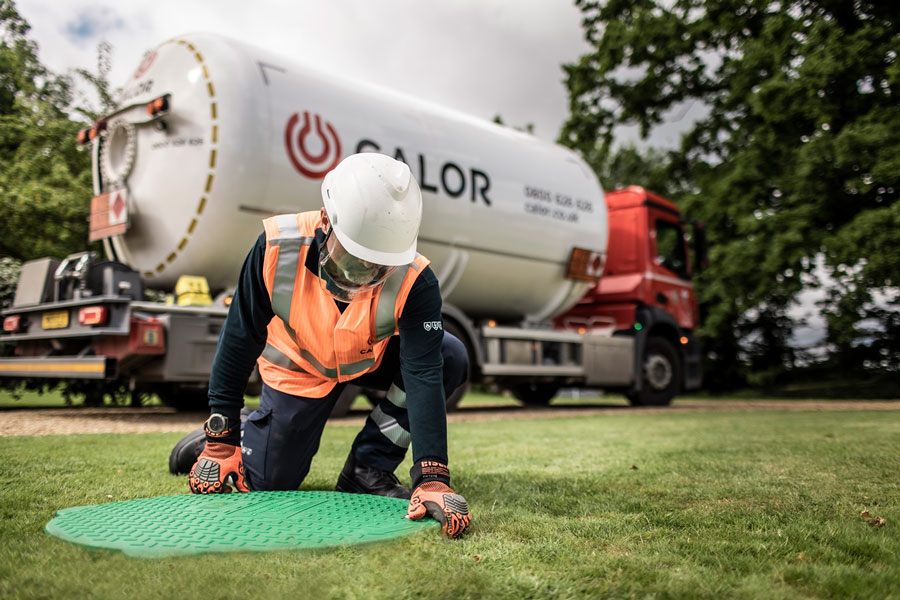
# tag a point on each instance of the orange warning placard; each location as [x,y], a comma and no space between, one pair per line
[109,215]
[585,265]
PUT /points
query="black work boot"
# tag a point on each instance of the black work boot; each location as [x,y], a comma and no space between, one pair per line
[186,451]
[188,448]
[360,479]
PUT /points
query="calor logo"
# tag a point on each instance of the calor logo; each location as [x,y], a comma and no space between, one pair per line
[436,325]
[312,144]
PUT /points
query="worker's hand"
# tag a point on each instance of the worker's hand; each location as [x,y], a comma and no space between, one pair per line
[218,467]
[442,504]
[434,497]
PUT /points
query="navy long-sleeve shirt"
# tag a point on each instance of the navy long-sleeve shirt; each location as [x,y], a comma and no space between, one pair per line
[244,333]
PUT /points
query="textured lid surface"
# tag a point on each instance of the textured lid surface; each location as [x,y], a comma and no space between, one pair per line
[249,522]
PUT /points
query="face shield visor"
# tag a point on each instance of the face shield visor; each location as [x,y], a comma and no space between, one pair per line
[343,275]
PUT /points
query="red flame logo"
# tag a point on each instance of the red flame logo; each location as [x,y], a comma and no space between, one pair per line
[311,164]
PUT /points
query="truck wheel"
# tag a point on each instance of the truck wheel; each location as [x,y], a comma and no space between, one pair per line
[661,374]
[454,398]
[535,394]
[345,401]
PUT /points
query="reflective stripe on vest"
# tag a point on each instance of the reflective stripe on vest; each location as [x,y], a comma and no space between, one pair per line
[277,357]
[385,324]
[289,242]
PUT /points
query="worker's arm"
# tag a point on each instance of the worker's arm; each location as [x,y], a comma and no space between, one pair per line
[242,339]
[421,364]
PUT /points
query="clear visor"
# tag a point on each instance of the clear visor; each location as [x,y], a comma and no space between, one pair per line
[343,275]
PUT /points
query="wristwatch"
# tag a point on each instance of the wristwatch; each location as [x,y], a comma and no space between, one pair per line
[218,425]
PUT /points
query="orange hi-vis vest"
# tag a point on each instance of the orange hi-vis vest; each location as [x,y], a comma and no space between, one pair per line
[311,345]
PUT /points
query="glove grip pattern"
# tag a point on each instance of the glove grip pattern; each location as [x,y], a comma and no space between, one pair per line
[438,500]
[217,469]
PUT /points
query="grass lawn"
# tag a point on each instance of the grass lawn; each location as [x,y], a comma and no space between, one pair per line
[665,505]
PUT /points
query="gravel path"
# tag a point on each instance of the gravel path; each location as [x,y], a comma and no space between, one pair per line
[66,421]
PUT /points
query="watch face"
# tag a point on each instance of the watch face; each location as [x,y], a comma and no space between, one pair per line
[216,423]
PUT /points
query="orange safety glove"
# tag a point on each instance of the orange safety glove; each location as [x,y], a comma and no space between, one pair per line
[219,465]
[433,496]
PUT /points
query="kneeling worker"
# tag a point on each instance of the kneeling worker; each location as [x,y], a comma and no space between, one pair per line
[325,298]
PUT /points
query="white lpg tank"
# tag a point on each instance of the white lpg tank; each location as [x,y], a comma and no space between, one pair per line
[250,134]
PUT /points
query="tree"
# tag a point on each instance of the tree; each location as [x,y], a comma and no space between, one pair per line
[628,165]
[45,182]
[798,157]
[98,83]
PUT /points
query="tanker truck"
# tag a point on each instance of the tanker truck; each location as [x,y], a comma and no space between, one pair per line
[547,282]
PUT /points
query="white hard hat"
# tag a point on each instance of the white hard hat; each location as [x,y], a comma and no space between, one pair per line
[374,206]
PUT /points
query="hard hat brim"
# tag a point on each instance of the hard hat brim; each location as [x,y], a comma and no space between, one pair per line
[391,259]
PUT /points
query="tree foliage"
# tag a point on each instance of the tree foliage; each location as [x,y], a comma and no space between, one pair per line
[45,178]
[798,158]
[10,269]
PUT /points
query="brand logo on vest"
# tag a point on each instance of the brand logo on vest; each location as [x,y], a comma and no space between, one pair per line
[312,157]
[366,351]
[436,325]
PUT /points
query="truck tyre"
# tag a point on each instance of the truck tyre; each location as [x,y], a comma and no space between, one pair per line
[535,394]
[345,401]
[661,374]
[457,332]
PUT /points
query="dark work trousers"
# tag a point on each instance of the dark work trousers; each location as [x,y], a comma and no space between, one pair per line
[280,438]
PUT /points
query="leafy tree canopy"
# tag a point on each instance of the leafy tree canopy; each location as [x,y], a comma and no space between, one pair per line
[799,156]
[45,178]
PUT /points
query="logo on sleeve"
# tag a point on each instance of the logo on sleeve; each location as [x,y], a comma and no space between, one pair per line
[436,325]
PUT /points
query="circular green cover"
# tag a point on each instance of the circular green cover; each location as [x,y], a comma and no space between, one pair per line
[249,522]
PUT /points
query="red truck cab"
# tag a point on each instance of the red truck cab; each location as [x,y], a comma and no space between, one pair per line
[647,292]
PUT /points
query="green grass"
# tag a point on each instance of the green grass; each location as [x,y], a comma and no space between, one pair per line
[737,505]
[54,399]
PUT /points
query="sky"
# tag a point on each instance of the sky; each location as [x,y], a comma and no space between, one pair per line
[483,57]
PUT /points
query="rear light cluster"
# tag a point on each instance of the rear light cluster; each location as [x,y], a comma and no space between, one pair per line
[89,133]
[154,108]
[13,324]
[158,105]
[93,315]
